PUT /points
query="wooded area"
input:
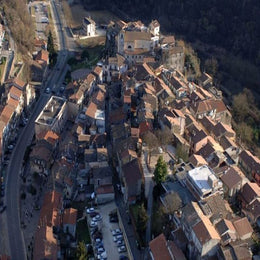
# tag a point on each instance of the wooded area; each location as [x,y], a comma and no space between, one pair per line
[225,33]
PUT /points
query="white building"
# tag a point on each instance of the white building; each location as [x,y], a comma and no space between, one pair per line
[53,116]
[203,182]
[89,26]
[2,34]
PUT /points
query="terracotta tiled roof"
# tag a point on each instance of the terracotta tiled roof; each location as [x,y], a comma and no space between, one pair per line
[90,78]
[97,70]
[91,110]
[158,247]
[207,123]
[227,142]
[243,227]
[13,102]
[144,127]
[222,129]
[205,231]
[168,40]
[231,179]
[250,192]
[15,92]
[105,189]
[19,83]
[70,216]
[127,99]
[252,161]
[51,137]
[7,113]
[45,244]
[176,251]
[197,160]
[131,36]
[42,55]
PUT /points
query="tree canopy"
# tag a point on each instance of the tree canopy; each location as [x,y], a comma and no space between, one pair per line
[82,253]
[160,171]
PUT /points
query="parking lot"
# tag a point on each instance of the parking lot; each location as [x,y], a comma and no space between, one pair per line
[112,238]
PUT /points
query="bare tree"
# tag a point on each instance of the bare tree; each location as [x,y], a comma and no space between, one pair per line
[173,202]
[152,142]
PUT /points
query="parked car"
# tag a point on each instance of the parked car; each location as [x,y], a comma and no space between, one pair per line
[98,245]
[47,90]
[98,240]
[90,210]
[121,249]
[120,243]
[118,237]
[116,232]
[103,255]
[10,147]
[93,224]
[97,218]
[101,250]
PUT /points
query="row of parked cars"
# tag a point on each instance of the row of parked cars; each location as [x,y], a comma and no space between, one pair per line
[119,240]
[96,234]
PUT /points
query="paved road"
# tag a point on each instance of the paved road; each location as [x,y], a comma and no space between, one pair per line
[12,214]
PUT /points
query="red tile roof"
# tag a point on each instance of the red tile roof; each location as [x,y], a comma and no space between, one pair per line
[243,227]
[51,137]
[15,92]
[91,110]
[231,178]
[159,250]
[42,55]
[250,192]
[70,216]
[45,244]
[7,113]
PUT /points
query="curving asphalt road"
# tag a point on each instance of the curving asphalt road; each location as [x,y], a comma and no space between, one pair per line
[12,214]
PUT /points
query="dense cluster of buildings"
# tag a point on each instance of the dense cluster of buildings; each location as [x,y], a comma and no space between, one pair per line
[127,97]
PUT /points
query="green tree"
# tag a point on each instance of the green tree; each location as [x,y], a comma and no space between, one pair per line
[51,50]
[82,253]
[85,55]
[50,45]
[142,219]
[160,171]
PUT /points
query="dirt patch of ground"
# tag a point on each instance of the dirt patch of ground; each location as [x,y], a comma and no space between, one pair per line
[74,15]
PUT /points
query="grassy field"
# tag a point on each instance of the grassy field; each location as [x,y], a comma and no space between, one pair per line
[95,54]
[92,42]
